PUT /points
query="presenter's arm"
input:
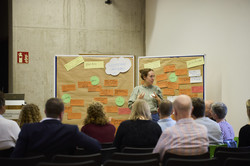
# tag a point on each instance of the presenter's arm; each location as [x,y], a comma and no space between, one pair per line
[158,96]
[133,97]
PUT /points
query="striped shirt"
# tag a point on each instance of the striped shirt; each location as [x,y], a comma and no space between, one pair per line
[185,138]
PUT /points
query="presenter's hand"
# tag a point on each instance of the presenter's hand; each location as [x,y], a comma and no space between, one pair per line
[141,96]
[157,98]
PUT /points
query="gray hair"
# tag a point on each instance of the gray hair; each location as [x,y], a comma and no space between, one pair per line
[220,109]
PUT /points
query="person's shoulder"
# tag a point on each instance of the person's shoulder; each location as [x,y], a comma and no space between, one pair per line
[245,128]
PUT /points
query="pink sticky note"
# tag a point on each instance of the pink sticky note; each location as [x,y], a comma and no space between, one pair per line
[197,89]
[122,111]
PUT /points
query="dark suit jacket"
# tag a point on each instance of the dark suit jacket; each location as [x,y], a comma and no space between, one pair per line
[52,137]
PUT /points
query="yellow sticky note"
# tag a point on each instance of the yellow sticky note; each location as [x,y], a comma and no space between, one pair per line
[153,65]
[195,62]
[93,64]
[75,62]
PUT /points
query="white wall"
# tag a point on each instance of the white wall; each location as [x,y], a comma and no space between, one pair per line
[218,28]
[46,28]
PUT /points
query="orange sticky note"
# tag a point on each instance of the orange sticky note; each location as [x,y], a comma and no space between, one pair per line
[173,85]
[193,95]
[197,89]
[110,82]
[72,115]
[184,91]
[161,77]
[162,84]
[111,109]
[94,88]
[77,102]
[181,72]
[169,68]
[184,80]
[103,100]
[122,111]
[121,92]
[67,109]
[66,88]
[116,122]
[84,84]
[107,92]
[168,92]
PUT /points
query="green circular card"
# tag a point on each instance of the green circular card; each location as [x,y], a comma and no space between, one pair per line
[94,80]
[119,101]
[66,98]
[173,77]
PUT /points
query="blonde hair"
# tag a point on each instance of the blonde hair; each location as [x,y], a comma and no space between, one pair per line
[95,114]
[30,113]
[140,110]
[248,108]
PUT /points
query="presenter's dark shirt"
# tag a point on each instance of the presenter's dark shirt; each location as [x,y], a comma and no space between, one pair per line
[103,133]
[137,133]
[244,136]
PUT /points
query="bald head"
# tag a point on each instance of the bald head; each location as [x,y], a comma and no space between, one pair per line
[183,106]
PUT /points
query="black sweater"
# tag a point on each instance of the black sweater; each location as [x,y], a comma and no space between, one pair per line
[137,133]
[244,136]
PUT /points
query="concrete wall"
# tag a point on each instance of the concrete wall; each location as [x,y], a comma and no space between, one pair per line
[46,28]
[219,29]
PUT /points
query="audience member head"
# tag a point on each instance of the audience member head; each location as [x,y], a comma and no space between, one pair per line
[219,111]
[30,113]
[165,109]
[140,110]
[54,108]
[248,108]
[2,103]
[96,114]
[198,108]
[182,107]
[208,110]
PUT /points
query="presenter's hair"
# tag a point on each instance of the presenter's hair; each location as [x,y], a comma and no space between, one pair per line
[248,108]
[54,107]
[199,107]
[220,109]
[144,72]
[30,113]
[96,114]
[140,110]
[166,108]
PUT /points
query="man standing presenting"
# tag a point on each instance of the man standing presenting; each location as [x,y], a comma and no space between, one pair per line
[186,137]
[50,136]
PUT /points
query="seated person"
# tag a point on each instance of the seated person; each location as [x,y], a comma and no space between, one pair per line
[244,134]
[219,112]
[165,110]
[186,137]
[50,136]
[96,124]
[139,131]
[208,109]
[30,113]
[9,131]
[213,128]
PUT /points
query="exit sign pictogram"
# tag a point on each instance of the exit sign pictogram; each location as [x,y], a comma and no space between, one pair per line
[22,57]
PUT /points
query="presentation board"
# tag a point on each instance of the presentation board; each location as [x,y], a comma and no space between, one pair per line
[176,75]
[83,79]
